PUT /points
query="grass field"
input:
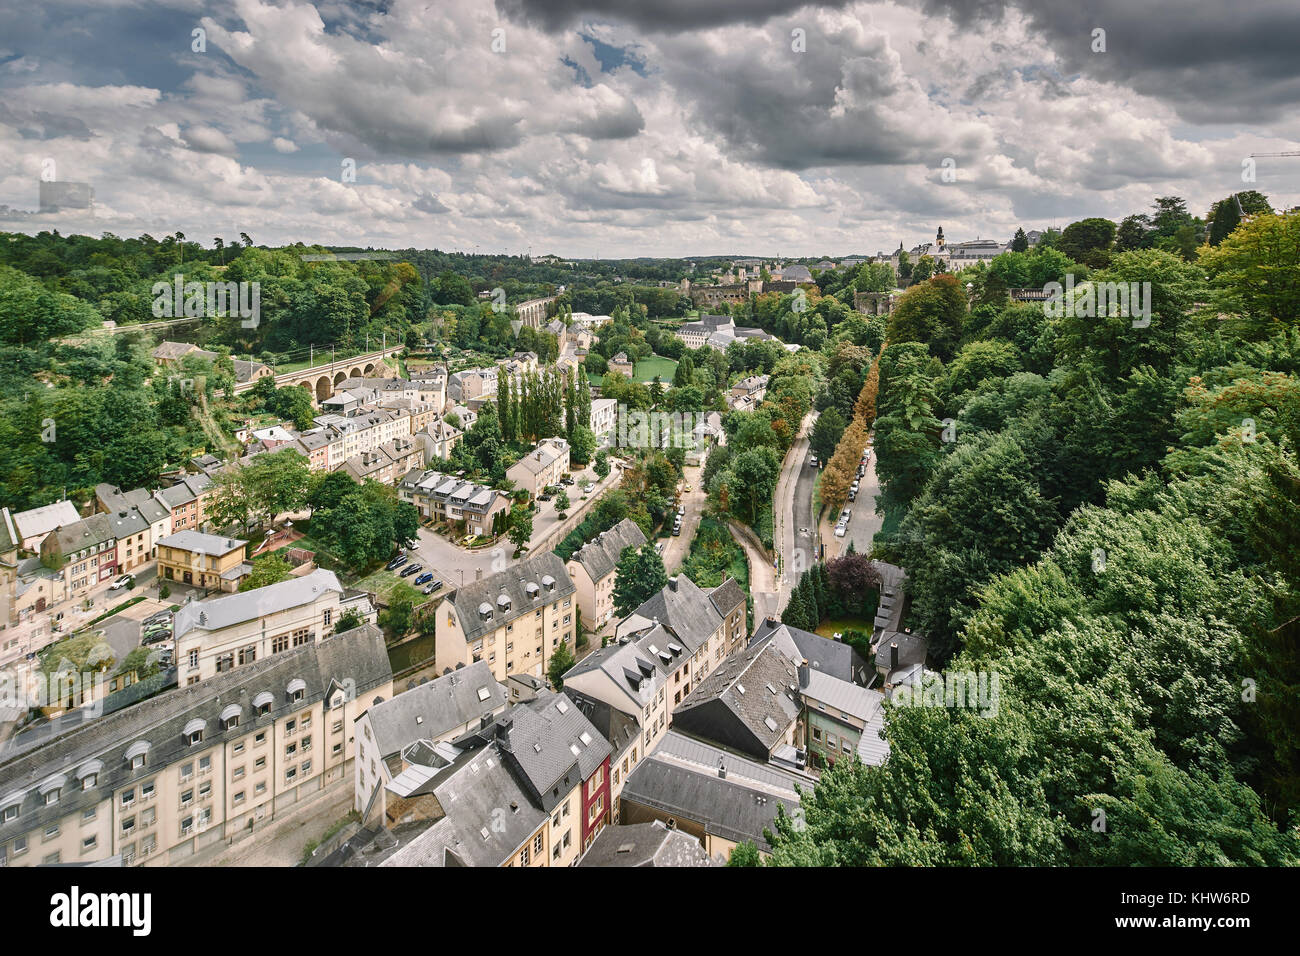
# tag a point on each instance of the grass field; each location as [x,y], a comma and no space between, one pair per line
[646,370]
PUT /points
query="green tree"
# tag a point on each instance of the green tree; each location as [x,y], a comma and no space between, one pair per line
[267,569]
[638,576]
[1020,242]
[521,529]
[561,660]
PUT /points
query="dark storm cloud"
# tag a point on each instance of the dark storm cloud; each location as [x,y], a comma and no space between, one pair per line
[657,16]
[1210,60]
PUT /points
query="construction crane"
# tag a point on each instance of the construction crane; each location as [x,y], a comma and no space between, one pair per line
[1293,152]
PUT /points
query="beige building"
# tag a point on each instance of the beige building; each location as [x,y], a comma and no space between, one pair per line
[202,560]
[398,738]
[661,651]
[604,416]
[225,633]
[514,619]
[440,497]
[193,769]
[593,567]
[541,467]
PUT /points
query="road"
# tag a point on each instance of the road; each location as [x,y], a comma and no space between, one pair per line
[794,533]
[762,576]
[679,546]
[864,521]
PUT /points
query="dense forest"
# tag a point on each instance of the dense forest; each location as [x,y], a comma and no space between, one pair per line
[1102,511]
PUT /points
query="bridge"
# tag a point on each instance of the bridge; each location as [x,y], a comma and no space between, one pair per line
[533,312]
[321,380]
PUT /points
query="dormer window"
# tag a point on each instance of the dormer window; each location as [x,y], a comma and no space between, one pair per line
[193,732]
[297,689]
[230,717]
[136,754]
[503,602]
[262,704]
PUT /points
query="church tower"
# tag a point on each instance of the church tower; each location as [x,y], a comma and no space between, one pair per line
[938,239]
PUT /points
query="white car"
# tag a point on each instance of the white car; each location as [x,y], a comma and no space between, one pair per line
[588,488]
[841,530]
[123,581]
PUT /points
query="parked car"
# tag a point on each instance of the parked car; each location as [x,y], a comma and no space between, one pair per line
[396,563]
[659,546]
[158,617]
[841,530]
[432,586]
[411,569]
[122,581]
[846,514]
[156,638]
[566,480]
[866,455]
[853,494]
[677,530]
[681,510]
[423,579]
[812,461]
[588,488]
[543,497]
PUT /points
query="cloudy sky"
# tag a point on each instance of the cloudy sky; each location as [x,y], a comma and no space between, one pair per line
[638,127]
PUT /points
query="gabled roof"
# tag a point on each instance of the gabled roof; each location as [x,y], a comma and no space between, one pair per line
[431,710]
[600,555]
[43,520]
[218,612]
[645,844]
[685,608]
[746,702]
[201,543]
[681,778]
[511,583]
[555,746]
[86,533]
[822,654]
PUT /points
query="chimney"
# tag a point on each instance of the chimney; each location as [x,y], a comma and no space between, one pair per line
[504,726]
[672,584]
[893,656]
[722,769]
[804,673]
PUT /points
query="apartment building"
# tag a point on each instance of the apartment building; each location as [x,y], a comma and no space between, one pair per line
[621,364]
[149,506]
[439,440]
[440,497]
[224,633]
[203,560]
[397,739]
[186,500]
[604,416]
[85,552]
[719,797]
[541,467]
[529,789]
[660,651]
[514,619]
[747,393]
[33,525]
[387,463]
[160,781]
[592,568]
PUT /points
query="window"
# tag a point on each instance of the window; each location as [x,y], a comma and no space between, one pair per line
[260,738]
[187,797]
[338,727]
[187,771]
[290,750]
[523,856]
[291,726]
[88,843]
[537,844]
[146,790]
[259,789]
[238,774]
[88,781]
[137,761]
[90,814]
[259,763]
[239,798]
[148,817]
[247,655]
[205,790]
[205,764]
[187,825]
[52,797]
[336,749]
[280,643]
[306,767]
[128,824]
[128,797]
[194,738]
[225,662]
[52,859]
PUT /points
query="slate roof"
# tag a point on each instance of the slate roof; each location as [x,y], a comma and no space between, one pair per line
[551,743]
[430,710]
[86,533]
[823,654]
[201,543]
[620,729]
[911,649]
[681,778]
[685,608]
[358,655]
[727,597]
[174,350]
[747,695]
[488,816]
[645,844]
[512,583]
[600,555]
[218,612]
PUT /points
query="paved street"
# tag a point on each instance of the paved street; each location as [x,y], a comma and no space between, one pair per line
[793,536]
[762,576]
[864,521]
[678,547]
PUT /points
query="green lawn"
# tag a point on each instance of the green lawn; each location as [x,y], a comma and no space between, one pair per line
[77,650]
[646,370]
[390,586]
[839,625]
